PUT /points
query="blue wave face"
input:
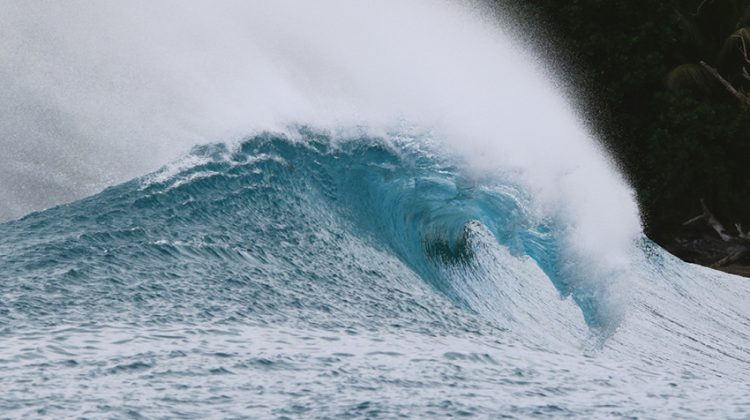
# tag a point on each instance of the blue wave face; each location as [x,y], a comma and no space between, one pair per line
[273,206]
[361,235]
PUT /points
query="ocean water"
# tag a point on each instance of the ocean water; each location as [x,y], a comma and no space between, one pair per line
[327,209]
[317,276]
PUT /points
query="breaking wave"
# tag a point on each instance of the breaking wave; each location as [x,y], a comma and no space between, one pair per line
[441,232]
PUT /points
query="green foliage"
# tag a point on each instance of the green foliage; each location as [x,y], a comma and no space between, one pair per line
[677,132]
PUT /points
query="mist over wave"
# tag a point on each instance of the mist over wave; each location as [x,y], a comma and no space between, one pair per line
[98,92]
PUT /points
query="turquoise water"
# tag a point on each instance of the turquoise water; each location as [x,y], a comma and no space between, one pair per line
[358,276]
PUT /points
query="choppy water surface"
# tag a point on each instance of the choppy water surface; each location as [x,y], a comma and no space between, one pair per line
[351,277]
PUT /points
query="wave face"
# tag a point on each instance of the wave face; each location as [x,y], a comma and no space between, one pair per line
[326,275]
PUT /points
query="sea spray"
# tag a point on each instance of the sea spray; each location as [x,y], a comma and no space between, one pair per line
[401,203]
